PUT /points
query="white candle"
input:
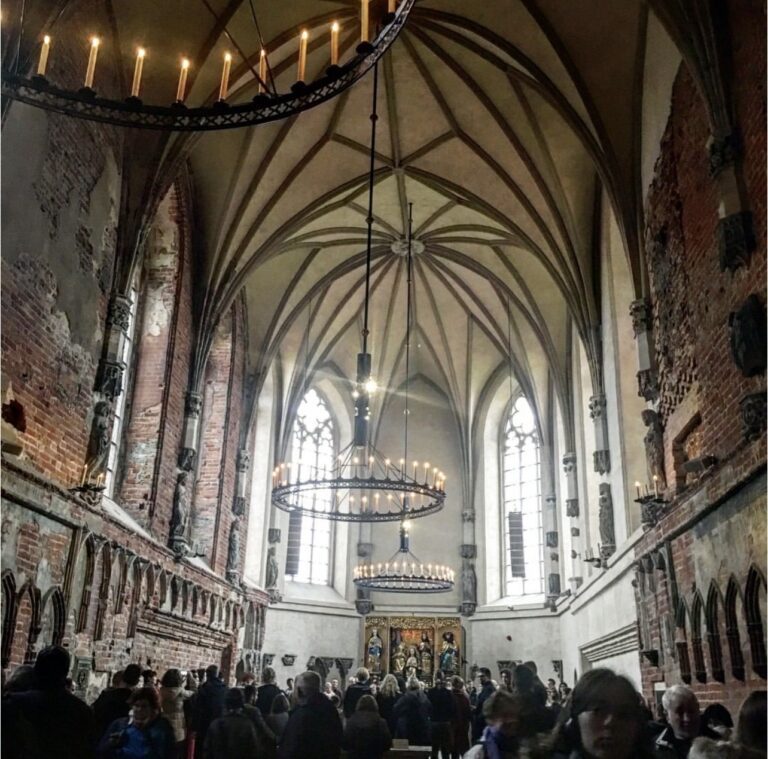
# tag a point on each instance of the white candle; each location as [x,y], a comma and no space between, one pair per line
[262,70]
[637,489]
[656,485]
[415,467]
[302,56]
[44,50]
[363,20]
[334,43]
[89,72]
[137,71]
[181,90]
[392,6]
[224,86]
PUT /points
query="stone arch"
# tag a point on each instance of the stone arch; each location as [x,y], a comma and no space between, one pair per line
[120,570]
[204,598]
[754,604]
[103,600]
[227,615]
[175,593]
[733,617]
[137,577]
[212,617]
[27,625]
[53,619]
[9,614]
[696,617]
[249,638]
[89,548]
[195,601]
[713,619]
[681,641]
[162,591]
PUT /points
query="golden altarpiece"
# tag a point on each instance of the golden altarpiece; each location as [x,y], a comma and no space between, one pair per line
[413,646]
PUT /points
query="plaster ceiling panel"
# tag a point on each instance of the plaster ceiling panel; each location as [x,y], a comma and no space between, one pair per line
[604,51]
[465,170]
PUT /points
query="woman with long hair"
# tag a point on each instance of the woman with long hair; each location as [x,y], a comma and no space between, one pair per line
[388,695]
[603,719]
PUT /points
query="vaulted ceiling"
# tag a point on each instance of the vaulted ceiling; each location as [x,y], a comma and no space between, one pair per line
[502,122]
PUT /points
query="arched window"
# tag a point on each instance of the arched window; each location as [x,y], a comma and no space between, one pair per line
[110,480]
[309,539]
[523,534]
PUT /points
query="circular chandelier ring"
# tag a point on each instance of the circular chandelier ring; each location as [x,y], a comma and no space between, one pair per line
[133,113]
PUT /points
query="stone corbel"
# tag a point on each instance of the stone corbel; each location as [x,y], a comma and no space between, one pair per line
[597,411]
[753,411]
[364,606]
[468,551]
[467,608]
[241,467]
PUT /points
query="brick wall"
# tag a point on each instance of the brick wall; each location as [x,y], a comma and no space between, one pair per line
[713,537]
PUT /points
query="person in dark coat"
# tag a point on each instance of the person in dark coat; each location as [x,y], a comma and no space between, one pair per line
[366,734]
[277,719]
[146,734]
[47,722]
[232,736]
[209,705]
[355,692]
[443,714]
[486,691]
[265,737]
[112,703]
[462,718]
[314,728]
[526,685]
[267,692]
[389,694]
[412,714]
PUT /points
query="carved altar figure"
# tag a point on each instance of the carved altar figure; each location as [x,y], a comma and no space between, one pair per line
[233,556]
[180,514]
[398,659]
[654,447]
[98,443]
[449,655]
[374,650]
[412,662]
[425,656]
[469,582]
[605,517]
[272,569]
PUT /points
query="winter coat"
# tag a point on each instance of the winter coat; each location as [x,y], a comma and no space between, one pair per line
[387,709]
[277,723]
[209,705]
[366,736]
[111,704]
[461,721]
[265,737]
[232,736]
[441,701]
[47,724]
[412,713]
[353,695]
[124,740]
[313,731]
[172,703]
[265,695]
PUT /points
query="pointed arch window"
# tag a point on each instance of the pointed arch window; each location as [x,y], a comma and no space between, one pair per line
[312,449]
[522,508]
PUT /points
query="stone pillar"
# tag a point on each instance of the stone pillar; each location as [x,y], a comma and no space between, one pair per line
[641,313]
[602,454]
[551,545]
[572,511]
[607,524]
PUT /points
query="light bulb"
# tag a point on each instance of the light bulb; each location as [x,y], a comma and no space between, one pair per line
[370,385]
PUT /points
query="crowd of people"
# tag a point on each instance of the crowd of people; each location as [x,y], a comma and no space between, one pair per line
[194,715]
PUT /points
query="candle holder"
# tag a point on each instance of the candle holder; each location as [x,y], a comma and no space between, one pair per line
[652,508]
[86,103]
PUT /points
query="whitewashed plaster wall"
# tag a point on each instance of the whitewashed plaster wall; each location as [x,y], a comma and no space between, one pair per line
[303,631]
[599,617]
[535,637]
[434,437]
